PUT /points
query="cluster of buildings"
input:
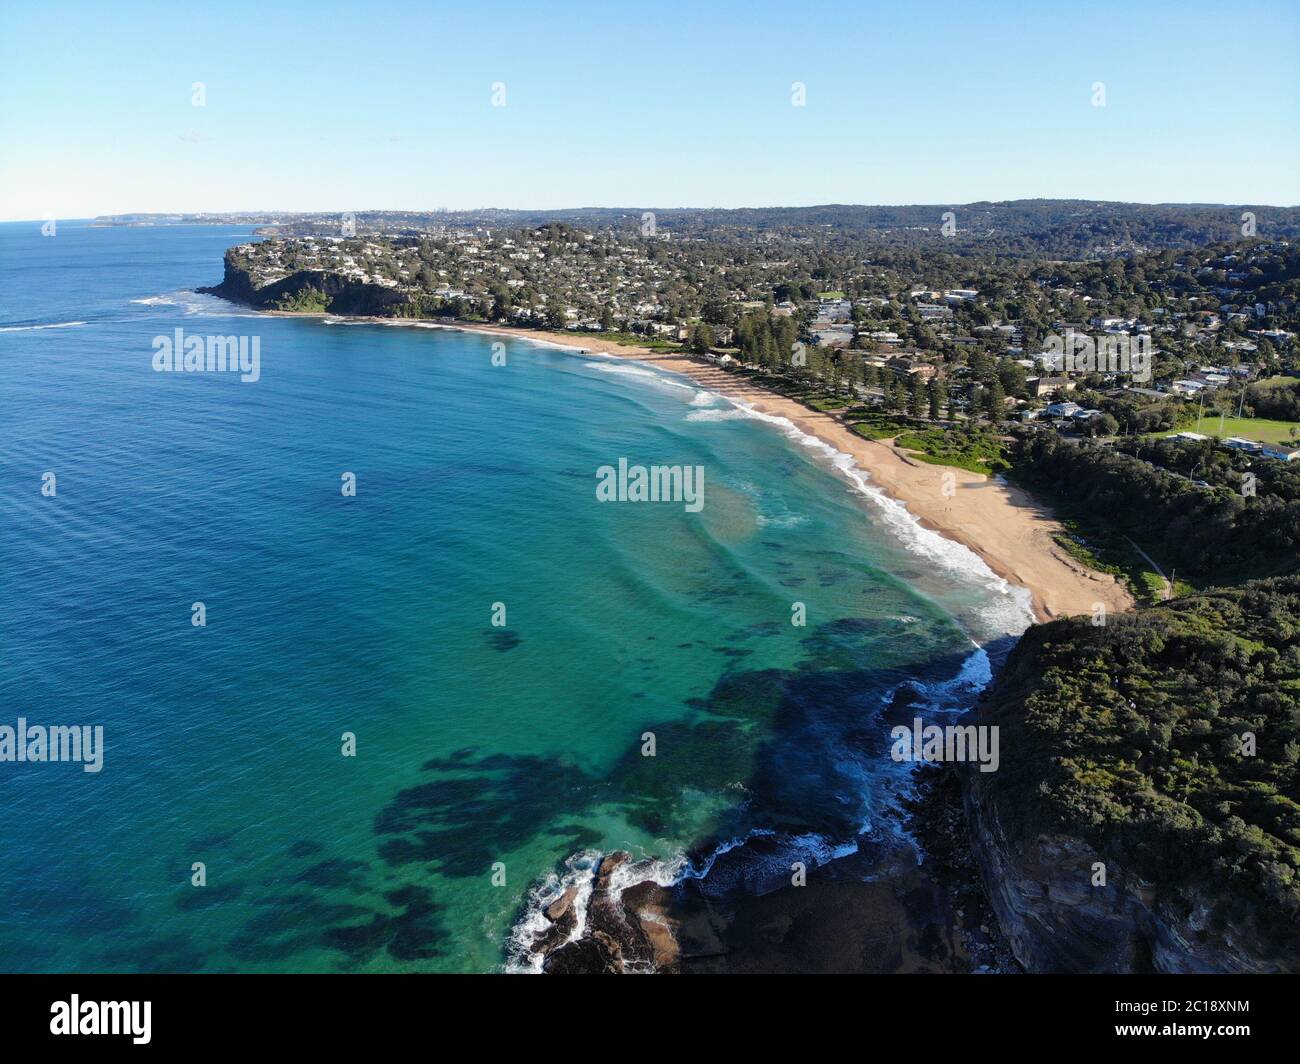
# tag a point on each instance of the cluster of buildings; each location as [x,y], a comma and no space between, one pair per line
[560,275]
[1064,413]
[567,278]
[1281,452]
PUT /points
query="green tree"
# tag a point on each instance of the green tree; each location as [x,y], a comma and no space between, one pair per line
[917,404]
[555,316]
[995,400]
[900,396]
[938,395]
[1012,375]
[702,339]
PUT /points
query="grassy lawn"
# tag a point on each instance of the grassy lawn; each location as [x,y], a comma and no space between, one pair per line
[830,295]
[958,461]
[1259,429]
[979,451]
[1270,383]
[624,339]
[830,404]
[976,450]
[880,427]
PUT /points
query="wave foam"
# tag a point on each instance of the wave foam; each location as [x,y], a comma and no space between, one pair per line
[953,695]
[624,369]
[579,873]
[718,414]
[195,304]
[35,328]
[954,557]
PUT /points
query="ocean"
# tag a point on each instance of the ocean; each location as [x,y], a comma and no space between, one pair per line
[417,708]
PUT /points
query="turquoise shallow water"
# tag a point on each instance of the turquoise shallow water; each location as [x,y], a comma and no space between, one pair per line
[478,747]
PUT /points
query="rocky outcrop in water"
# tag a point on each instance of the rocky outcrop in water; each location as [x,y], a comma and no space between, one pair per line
[627,930]
[875,909]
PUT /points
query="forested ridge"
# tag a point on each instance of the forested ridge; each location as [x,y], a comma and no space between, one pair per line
[1169,739]
[1220,535]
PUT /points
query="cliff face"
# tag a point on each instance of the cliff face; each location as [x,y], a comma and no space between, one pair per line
[1056,920]
[1164,746]
[343,295]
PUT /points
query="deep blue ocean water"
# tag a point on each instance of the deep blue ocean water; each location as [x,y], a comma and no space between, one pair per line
[482,752]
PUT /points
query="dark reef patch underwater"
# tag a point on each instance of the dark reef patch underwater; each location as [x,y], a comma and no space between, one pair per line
[484,759]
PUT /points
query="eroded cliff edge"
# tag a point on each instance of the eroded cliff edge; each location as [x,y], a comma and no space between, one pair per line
[306,290]
[1145,816]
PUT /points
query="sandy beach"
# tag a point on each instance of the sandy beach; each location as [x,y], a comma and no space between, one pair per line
[1001,523]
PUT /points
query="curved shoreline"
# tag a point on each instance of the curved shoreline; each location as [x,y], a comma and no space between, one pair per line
[1009,530]
[612,911]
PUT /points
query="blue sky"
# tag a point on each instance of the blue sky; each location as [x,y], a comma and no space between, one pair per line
[325,106]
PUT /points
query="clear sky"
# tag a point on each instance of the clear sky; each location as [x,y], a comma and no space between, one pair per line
[332,106]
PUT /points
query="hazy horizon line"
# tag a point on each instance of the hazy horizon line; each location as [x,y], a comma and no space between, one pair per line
[630,207]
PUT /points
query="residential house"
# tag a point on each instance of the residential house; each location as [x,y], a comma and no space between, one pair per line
[1041,386]
[1237,443]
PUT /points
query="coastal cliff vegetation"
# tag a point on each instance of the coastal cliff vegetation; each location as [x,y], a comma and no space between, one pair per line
[1219,527]
[1168,740]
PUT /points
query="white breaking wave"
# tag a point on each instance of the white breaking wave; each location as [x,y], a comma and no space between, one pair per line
[393,323]
[534,340]
[579,873]
[33,328]
[196,303]
[719,414]
[780,520]
[1012,610]
[954,695]
[624,369]
[410,323]
[951,696]
[954,557]
[701,398]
